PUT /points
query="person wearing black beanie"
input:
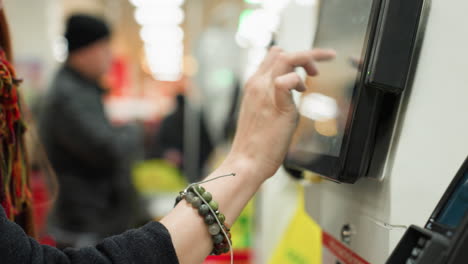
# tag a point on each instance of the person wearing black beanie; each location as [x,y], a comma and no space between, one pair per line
[91,156]
[89,50]
[83,30]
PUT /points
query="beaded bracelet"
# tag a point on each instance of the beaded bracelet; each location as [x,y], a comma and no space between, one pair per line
[207,208]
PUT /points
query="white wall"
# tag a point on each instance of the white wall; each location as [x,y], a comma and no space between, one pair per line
[33,26]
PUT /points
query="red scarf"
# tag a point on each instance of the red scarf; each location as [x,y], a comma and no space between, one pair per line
[15,195]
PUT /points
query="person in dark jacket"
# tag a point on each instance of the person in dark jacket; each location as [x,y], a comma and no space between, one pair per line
[90,156]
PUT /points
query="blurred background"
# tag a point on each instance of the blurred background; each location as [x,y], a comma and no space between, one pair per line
[177,69]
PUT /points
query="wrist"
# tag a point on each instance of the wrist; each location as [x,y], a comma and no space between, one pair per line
[245,168]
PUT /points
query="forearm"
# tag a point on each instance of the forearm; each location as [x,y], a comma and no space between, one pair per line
[189,232]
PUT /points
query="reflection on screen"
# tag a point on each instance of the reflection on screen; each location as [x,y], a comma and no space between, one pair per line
[457,206]
[325,108]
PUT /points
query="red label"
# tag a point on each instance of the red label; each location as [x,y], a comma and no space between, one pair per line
[343,253]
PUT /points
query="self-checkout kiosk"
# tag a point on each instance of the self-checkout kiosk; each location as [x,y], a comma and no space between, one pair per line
[384,126]
[444,238]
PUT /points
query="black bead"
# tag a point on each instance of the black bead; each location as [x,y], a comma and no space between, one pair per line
[203,209]
[209,219]
[178,199]
[218,239]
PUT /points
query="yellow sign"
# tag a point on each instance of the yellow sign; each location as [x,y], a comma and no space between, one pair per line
[157,176]
[302,240]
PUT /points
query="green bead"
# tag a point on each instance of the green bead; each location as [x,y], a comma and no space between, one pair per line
[189,197]
[225,250]
[221,218]
[209,219]
[207,196]
[196,202]
[214,205]
[218,239]
[214,229]
[203,209]
[200,189]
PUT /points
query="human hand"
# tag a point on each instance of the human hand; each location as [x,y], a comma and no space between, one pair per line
[268,115]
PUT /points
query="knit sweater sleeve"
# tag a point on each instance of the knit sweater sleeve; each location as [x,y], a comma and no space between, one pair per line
[148,244]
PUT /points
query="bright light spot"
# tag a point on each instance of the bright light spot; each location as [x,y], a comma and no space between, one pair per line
[167,77]
[159,16]
[244,15]
[318,107]
[158,34]
[256,28]
[165,60]
[165,65]
[275,5]
[307,2]
[263,19]
[139,3]
[164,50]
[60,49]
[253,39]
[162,37]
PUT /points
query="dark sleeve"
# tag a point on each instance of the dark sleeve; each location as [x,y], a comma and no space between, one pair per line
[150,244]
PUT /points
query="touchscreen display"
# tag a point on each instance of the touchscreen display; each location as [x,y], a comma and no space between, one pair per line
[457,206]
[325,107]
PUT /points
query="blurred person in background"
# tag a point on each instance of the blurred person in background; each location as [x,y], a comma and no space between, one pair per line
[169,140]
[90,156]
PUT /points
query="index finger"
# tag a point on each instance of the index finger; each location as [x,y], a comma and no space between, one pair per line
[305,59]
[271,56]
